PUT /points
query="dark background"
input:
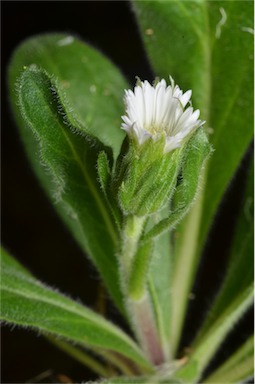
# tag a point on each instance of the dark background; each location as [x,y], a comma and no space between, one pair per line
[30,228]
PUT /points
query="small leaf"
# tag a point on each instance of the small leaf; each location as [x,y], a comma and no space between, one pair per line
[103,170]
[104,174]
[28,302]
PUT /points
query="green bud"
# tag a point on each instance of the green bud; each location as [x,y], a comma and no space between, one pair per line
[146,177]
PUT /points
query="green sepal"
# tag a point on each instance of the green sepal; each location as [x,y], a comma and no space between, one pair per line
[195,156]
[104,171]
[148,177]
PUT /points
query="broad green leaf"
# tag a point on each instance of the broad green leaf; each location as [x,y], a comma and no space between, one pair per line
[207,47]
[231,107]
[90,86]
[65,161]
[239,273]
[26,301]
[239,367]
[90,90]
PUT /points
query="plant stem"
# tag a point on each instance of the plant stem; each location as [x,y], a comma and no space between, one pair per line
[132,231]
[140,310]
[145,328]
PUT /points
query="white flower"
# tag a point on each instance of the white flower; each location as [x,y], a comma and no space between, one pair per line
[155,110]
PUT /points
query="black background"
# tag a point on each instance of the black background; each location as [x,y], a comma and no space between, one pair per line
[30,229]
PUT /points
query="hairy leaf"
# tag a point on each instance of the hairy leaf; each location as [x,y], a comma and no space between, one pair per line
[239,274]
[89,98]
[27,302]
[65,160]
[90,86]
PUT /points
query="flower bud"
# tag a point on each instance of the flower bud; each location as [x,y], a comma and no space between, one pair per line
[158,127]
[148,177]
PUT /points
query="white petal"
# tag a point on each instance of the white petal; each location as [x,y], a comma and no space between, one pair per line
[155,110]
[184,99]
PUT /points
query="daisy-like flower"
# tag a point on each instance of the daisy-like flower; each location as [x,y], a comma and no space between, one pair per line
[155,110]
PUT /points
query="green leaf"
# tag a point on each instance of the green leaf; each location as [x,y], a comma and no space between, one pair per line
[239,367]
[90,86]
[231,100]
[207,47]
[90,92]
[103,171]
[235,295]
[104,176]
[26,301]
[239,274]
[65,161]
[204,349]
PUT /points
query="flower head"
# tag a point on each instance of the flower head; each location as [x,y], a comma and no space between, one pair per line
[153,111]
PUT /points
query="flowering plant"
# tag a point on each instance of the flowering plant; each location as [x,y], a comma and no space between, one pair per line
[139,200]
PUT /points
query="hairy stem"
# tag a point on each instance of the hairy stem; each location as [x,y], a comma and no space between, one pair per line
[140,310]
[145,328]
